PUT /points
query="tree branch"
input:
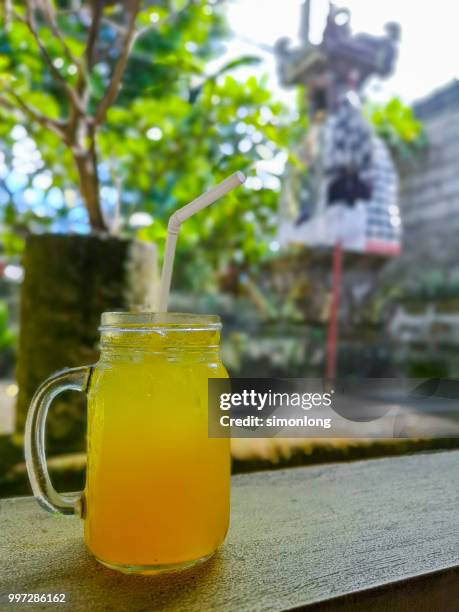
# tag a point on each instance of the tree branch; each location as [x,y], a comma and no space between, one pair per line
[97,13]
[116,26]
[81,86]
[115,83]
[5,104]
[115,226]
[29,21]
[7,10]
[169,19]
[49,12]
[51,124]
[5,187]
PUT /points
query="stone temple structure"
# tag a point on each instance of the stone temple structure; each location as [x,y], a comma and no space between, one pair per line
[398,315]
[349,193]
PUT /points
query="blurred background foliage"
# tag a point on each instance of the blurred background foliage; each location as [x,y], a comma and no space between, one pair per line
[396,124]
[176,128]
[181,122]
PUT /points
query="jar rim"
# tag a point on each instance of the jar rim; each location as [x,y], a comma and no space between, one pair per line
[132,321]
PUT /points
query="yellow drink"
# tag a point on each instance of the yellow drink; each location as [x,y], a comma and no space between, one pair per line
[157,489]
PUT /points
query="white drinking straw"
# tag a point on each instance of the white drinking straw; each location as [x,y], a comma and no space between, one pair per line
[176,220]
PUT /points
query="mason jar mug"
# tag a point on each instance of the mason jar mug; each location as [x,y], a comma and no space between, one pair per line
[157,487]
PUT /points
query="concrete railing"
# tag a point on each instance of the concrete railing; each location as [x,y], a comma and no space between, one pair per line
[370,535]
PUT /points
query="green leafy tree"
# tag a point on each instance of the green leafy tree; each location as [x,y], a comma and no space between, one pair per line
[397,125]
[230,125]
[123,113]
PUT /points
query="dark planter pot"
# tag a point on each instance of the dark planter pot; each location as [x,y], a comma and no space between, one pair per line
[69,281]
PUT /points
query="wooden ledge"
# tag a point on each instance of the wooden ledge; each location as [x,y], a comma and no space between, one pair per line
[370,535]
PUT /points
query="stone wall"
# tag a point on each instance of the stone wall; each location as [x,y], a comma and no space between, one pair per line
[429,195]
[425,321]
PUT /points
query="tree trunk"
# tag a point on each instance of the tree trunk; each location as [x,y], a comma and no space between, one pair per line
[69,281]
[89,187]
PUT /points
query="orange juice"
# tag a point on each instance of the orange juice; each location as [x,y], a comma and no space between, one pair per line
[157,488]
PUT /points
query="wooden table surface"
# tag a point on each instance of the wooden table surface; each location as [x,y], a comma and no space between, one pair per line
[372,535]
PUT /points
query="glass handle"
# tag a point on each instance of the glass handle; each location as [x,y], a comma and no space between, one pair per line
[76,379]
